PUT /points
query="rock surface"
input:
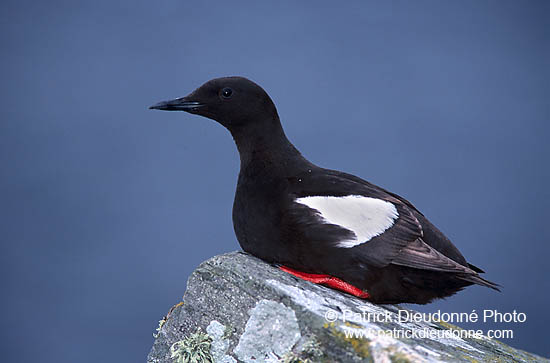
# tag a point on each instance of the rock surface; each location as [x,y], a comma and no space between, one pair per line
[238,308]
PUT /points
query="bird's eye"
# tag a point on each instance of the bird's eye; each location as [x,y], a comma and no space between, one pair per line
[227,92]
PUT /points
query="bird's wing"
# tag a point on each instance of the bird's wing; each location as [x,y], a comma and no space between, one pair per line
[422,256]
[340,212]
[419,255]
[376,187]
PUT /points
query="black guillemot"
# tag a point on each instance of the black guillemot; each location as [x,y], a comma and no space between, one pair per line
[322,225]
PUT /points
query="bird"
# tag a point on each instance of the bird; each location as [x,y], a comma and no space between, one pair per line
[321,225]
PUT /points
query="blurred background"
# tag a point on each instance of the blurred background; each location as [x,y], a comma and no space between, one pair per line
[107,207]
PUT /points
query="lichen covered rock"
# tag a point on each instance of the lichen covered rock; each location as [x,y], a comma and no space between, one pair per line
[238,308]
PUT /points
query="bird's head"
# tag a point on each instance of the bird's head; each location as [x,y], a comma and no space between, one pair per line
[234,102]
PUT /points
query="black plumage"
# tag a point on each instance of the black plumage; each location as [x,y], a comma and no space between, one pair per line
[409,261]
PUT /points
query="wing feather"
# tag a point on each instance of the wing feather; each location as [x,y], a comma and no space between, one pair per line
[400,244]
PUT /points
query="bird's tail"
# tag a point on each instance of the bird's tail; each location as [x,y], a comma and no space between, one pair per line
[476,279]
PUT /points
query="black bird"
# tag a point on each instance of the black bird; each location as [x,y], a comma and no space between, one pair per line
[323,225]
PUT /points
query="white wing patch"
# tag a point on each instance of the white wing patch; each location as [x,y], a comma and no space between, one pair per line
[366,217]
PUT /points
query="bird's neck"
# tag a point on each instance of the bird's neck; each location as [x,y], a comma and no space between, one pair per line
[264,145]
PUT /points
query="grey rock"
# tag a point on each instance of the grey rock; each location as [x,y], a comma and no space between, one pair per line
[253,312]
[220,343]
[270,332]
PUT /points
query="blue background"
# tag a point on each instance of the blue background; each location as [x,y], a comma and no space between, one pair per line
[107,207]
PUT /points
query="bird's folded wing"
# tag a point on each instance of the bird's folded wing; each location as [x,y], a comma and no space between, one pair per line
[419,255]
[343,214]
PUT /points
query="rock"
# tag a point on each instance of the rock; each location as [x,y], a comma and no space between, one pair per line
[238,308]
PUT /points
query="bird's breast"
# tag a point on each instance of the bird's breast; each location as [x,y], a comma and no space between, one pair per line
[257,215]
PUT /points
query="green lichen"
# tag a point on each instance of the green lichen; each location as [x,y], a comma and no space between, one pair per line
[310,353]
[352,325]
[227,332]
[360,346]
[193,349]
[161,324]
[164,319]
[399,357]
[292,357]
[469,359]
[312,349]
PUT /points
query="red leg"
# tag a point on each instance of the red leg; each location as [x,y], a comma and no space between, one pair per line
[329,281]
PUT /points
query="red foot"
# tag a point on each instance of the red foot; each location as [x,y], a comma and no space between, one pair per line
[329,281]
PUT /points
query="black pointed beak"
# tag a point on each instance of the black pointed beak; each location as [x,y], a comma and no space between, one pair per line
[179,104]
